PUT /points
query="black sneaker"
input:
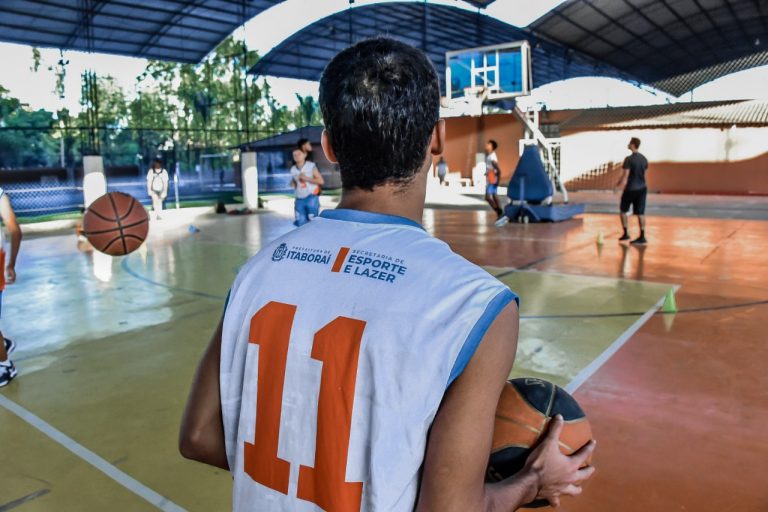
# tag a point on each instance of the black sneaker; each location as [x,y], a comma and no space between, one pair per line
[624,238]
[7,372]
[639,240]
[10,345]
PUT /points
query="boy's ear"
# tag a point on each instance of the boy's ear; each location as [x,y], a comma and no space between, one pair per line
[437,145]
[330,154]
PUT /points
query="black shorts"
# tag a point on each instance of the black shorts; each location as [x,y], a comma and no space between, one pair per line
[636,198]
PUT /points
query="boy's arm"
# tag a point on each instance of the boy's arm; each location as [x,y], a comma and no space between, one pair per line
[14,231]
[623,178]
[316,178]
[461,436]
[201,437]
[624,174]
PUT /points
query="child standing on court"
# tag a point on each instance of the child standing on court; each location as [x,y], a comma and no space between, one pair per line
[7,275]
[157,186]
[305,178]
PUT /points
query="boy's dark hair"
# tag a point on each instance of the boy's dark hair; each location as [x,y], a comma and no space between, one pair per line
[301,143]
[493,144]
[380,101]
[635,142]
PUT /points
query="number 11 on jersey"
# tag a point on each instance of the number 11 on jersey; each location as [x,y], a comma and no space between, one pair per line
[337,347]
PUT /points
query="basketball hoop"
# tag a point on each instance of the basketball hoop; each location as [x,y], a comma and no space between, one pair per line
[471,104]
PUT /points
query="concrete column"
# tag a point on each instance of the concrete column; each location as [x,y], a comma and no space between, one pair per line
[94,182]
[250,179]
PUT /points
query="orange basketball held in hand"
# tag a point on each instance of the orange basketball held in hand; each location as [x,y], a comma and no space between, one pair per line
[116,224]
[525,408]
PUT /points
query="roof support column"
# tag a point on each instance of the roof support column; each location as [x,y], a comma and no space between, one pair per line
[250,175]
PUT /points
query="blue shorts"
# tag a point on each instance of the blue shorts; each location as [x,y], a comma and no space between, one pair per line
[491,190]
[306,209]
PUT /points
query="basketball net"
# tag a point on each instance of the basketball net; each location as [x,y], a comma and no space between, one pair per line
[471,104]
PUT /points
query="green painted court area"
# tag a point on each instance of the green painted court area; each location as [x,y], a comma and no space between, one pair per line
[567,321]
[109,367]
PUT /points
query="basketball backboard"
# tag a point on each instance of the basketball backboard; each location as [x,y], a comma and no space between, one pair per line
[504,70]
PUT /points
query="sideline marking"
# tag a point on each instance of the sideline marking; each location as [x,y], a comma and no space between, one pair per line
[91,458]
[614,347]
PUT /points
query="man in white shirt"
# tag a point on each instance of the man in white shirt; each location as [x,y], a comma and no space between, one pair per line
[306,180]
[157,186]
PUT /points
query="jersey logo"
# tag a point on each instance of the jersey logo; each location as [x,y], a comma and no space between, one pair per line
[280,252]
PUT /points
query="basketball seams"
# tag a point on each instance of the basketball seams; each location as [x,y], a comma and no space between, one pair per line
[102,231]
[130,208]
[532,407]
[552,393]
[517,423]
[106,247]
[103,224]
[102,217]
[508,446]
[119,224]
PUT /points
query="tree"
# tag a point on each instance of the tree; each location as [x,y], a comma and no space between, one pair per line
[25,139]
[185,109]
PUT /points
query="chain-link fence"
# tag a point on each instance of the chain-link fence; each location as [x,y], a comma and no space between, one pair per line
[46,178]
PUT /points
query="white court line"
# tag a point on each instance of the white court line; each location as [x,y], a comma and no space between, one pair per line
[614,347]
[91,458]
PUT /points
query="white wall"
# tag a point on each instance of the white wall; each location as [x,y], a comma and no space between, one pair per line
[584,151]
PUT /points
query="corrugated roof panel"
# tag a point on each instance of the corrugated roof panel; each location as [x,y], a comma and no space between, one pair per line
[178,30]
[675,45]
[447,28]
[717,114]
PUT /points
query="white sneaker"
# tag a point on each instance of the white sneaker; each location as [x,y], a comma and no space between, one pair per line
[7,372]
[503,221]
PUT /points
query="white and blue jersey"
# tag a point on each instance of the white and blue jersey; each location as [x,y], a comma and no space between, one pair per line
[339,341]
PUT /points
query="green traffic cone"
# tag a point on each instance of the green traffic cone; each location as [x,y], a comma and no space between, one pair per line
[670,305]
[600,238]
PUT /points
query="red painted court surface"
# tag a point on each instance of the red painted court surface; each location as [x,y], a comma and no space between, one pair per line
[678,402]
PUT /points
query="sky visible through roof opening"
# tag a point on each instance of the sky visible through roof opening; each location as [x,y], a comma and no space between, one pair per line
[36,89]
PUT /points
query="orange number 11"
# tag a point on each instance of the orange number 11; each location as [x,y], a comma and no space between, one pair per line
[337,346]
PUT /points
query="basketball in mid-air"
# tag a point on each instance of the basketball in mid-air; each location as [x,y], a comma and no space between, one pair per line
[525,408]
[116,224]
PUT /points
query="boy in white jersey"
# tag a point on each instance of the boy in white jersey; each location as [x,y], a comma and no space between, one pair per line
[157,186]
[305,179]
[359,361]
[7,369]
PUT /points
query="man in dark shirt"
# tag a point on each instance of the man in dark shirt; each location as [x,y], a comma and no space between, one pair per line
[635,190]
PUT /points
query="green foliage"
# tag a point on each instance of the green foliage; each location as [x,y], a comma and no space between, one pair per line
[181,110]
[27,147]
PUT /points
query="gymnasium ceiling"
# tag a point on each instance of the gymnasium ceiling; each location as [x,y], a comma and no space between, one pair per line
[674,45]
[175,30]
[432,27]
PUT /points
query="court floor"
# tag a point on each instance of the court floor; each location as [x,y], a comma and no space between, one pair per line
[107,349]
